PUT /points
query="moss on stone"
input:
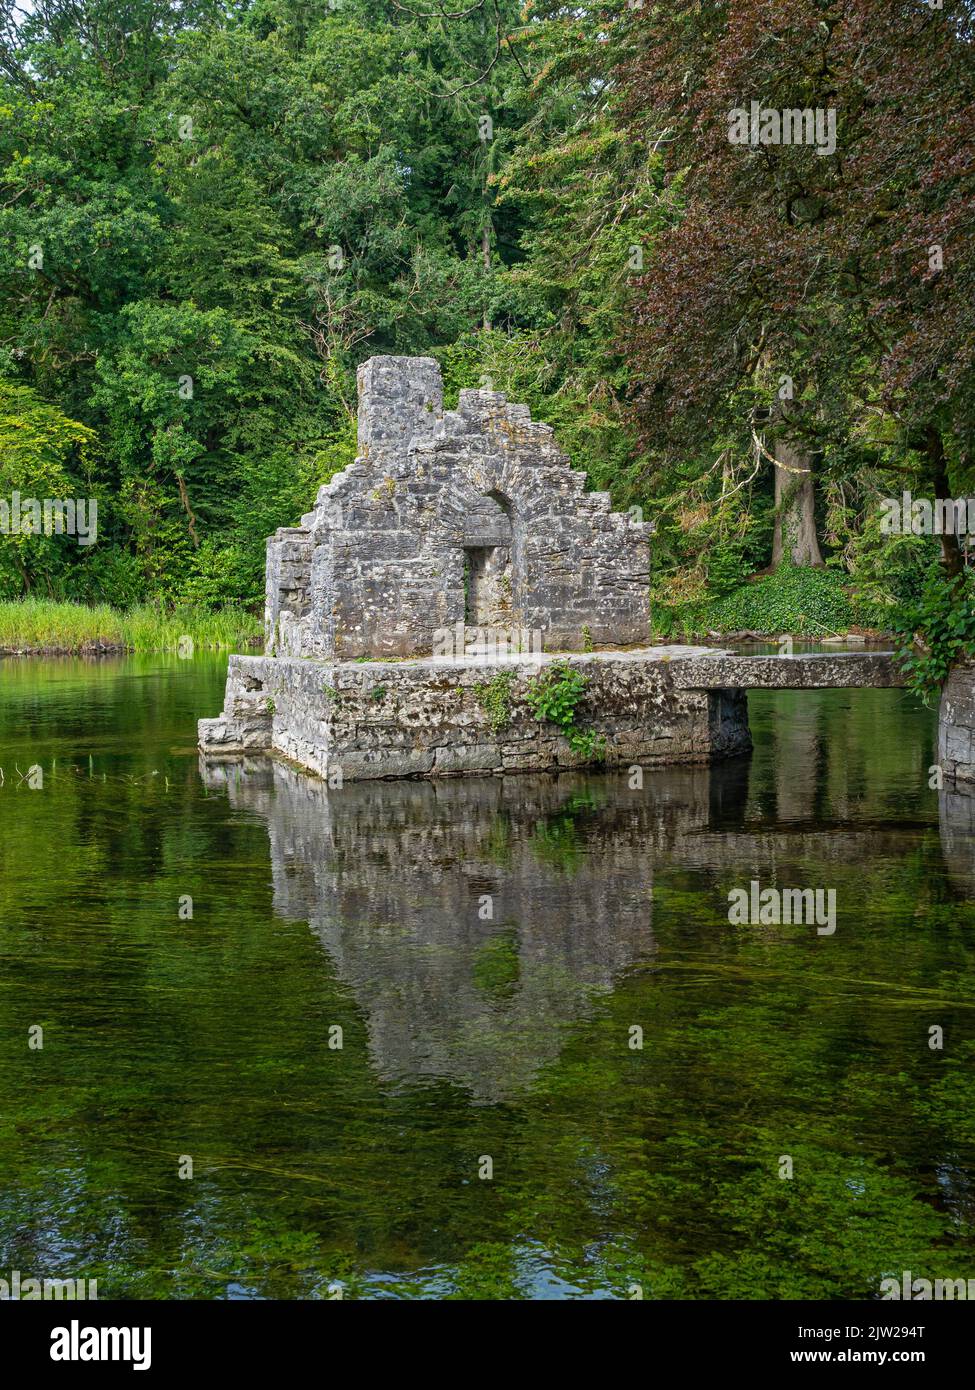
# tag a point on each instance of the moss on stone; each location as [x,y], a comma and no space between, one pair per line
[495,698]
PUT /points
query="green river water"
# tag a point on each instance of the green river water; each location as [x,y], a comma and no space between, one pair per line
[466,1037]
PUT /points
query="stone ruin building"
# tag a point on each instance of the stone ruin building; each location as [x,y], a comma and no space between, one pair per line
[469,522]
[471,516]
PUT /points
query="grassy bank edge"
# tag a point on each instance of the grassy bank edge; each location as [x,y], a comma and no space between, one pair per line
[44,626]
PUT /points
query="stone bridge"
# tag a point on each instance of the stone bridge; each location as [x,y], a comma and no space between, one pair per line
[723,670]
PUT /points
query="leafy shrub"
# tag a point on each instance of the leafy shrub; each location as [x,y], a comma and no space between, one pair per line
[554,697]
[936,631]
[495,698]
[792,599]
[728,567]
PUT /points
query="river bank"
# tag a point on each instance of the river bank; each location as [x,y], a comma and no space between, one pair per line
[45,627]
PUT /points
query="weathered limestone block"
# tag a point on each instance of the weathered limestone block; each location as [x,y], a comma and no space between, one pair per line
[245,724]
[399,397]
[288,586]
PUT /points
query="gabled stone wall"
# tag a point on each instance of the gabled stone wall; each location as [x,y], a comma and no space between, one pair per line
[473,514]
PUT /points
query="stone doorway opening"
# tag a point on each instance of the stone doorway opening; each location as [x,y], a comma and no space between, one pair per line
[487,585]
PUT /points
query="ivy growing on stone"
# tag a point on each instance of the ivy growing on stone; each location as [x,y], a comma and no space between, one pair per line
[554,697]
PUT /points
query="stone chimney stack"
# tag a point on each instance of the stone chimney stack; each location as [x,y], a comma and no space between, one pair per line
[399,398]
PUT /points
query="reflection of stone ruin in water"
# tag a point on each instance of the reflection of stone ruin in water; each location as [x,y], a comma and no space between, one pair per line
[390,876]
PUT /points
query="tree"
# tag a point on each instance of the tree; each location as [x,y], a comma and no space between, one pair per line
[208,217]
[44,456]
[795,265]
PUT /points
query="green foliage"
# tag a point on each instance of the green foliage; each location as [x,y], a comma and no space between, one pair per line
[728,568]
[554,697]
[936,631]
[495,698]
[231,215]
[805,602]
[245,203]
[44,455]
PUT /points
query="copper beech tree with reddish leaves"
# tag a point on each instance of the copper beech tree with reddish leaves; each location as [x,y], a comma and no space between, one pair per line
[807,296]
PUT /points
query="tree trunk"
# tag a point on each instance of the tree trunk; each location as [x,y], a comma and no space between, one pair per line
[486,262]
[950,549]
[795,507]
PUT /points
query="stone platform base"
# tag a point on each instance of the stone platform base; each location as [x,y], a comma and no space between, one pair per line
[440,718]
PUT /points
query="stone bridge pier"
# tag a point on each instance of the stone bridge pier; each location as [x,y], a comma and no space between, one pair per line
[810,671]
[956,713]
[956,726]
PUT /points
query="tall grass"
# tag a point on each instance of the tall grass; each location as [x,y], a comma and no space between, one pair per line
[39,625]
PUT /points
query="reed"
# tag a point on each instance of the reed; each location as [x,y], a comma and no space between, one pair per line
[44,625]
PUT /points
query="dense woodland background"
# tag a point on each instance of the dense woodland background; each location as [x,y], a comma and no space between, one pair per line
[211,213]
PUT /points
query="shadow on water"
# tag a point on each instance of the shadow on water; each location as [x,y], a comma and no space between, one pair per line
[536,971]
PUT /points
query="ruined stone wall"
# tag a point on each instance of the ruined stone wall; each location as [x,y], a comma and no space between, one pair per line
[380,565]
[288,587]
